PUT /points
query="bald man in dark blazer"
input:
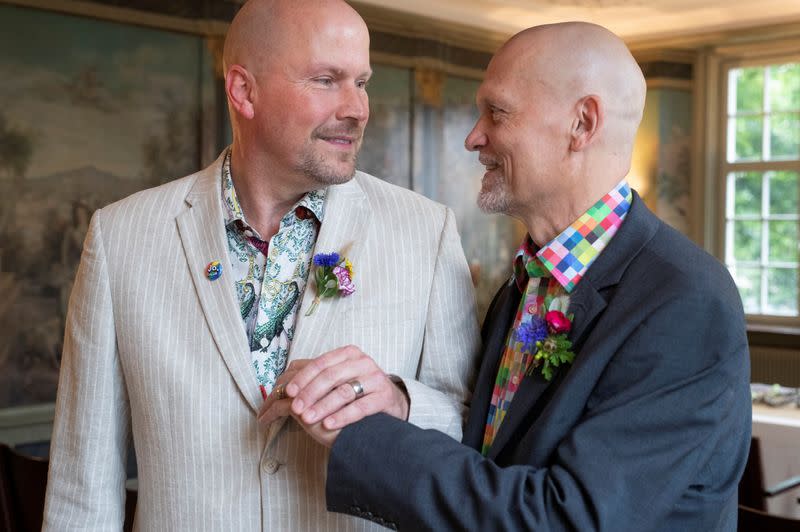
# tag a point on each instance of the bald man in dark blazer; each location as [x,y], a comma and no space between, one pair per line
[642,422]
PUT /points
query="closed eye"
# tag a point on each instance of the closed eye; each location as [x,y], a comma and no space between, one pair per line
[496,113]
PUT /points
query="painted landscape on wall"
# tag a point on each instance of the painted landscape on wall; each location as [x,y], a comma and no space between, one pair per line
[90,112]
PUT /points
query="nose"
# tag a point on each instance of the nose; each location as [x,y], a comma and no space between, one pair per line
[354,105]
[476,138]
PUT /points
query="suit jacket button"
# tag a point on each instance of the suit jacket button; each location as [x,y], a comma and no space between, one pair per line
[270,466]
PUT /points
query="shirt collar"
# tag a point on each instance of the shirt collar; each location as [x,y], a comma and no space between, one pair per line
[312,204]
[568,256]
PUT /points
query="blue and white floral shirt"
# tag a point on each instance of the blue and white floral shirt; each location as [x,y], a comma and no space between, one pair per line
[270,276]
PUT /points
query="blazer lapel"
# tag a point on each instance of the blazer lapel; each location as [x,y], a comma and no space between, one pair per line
[202,233]
[344,230]
[588,299]
[529,391]
[498,321]
[586,303]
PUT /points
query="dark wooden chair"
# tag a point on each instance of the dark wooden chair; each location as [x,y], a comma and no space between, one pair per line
[23,484]
[752,491]
[753,496]
[752,520]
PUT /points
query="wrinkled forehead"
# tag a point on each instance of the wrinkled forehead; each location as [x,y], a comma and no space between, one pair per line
[512,74]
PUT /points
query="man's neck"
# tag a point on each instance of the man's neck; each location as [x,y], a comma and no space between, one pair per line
[554,214]
[264,201]
[547,221]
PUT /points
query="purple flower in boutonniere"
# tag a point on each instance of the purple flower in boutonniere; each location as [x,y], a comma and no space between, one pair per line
[333,276]
[532,332]
[546,339]
[346,286]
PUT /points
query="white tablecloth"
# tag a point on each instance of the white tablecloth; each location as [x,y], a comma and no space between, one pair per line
[778,430]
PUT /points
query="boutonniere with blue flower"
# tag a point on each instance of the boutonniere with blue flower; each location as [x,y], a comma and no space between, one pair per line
[333,276]
[546,339]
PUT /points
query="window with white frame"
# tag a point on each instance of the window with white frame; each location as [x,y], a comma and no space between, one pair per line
[762,186]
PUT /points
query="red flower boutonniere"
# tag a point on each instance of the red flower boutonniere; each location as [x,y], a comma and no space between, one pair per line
[546,339]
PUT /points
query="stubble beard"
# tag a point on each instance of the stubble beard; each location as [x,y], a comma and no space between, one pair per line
[319,169]
[494,196]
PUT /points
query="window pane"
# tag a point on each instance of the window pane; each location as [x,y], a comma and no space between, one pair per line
[747,240]
[784,87]
[783,241]
[748,135]
[785,135]
[782,291]
[749,89]
[783,193]
[747,196]
[749,282]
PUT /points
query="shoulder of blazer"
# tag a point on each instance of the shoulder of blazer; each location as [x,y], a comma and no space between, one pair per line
[648,252]
[389,199]
[164,202]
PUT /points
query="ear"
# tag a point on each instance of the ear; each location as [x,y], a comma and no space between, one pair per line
[588,120]
[239,85]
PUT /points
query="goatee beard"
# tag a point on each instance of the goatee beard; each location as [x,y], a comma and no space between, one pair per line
[494,198]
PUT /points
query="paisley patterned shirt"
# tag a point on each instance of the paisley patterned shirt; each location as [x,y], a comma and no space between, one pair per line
[270,276]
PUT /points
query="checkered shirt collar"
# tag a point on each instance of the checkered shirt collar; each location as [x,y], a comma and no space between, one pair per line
[568,256]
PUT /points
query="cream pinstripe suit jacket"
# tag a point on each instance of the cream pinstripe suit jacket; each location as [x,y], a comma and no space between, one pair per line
[156,351]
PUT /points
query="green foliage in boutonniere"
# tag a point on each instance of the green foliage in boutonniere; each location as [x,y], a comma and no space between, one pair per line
[333,276]
[546,339]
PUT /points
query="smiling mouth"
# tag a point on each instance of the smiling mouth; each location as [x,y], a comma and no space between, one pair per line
[344,141]
[489,164]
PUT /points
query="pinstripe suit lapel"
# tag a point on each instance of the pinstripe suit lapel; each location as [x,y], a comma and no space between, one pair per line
[203,236]
[344,230]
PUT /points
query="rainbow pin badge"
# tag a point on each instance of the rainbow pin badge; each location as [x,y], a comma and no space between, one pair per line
[213,270]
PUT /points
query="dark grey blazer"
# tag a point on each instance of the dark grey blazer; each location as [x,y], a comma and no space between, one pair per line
[648,430]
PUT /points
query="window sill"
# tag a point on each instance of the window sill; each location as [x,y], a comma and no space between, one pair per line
[773,335]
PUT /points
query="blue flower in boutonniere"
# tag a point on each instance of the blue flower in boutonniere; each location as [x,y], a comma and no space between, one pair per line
[333,276]
[546,339]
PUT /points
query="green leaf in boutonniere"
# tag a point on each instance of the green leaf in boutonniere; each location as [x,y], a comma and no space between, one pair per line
[333,276]
[547,339]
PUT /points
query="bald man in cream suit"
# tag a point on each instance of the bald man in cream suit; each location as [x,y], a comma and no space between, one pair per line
[163,346]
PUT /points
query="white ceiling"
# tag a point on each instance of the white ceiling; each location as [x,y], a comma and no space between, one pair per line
[634,20]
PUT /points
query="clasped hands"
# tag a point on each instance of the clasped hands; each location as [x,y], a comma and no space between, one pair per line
[319,395]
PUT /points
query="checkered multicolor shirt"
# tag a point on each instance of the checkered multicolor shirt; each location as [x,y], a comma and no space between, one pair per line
[550,274]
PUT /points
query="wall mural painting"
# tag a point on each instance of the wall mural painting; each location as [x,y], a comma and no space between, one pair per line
[489,240]
[674,158]
[442,169]
[90,112]
[386,152]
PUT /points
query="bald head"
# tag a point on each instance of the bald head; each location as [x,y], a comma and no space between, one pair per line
[575,59]
[560,106]
[263,30]
[295,76]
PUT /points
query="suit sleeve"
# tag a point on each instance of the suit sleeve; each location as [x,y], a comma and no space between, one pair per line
[441,392]
[86,485]
[658,428]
